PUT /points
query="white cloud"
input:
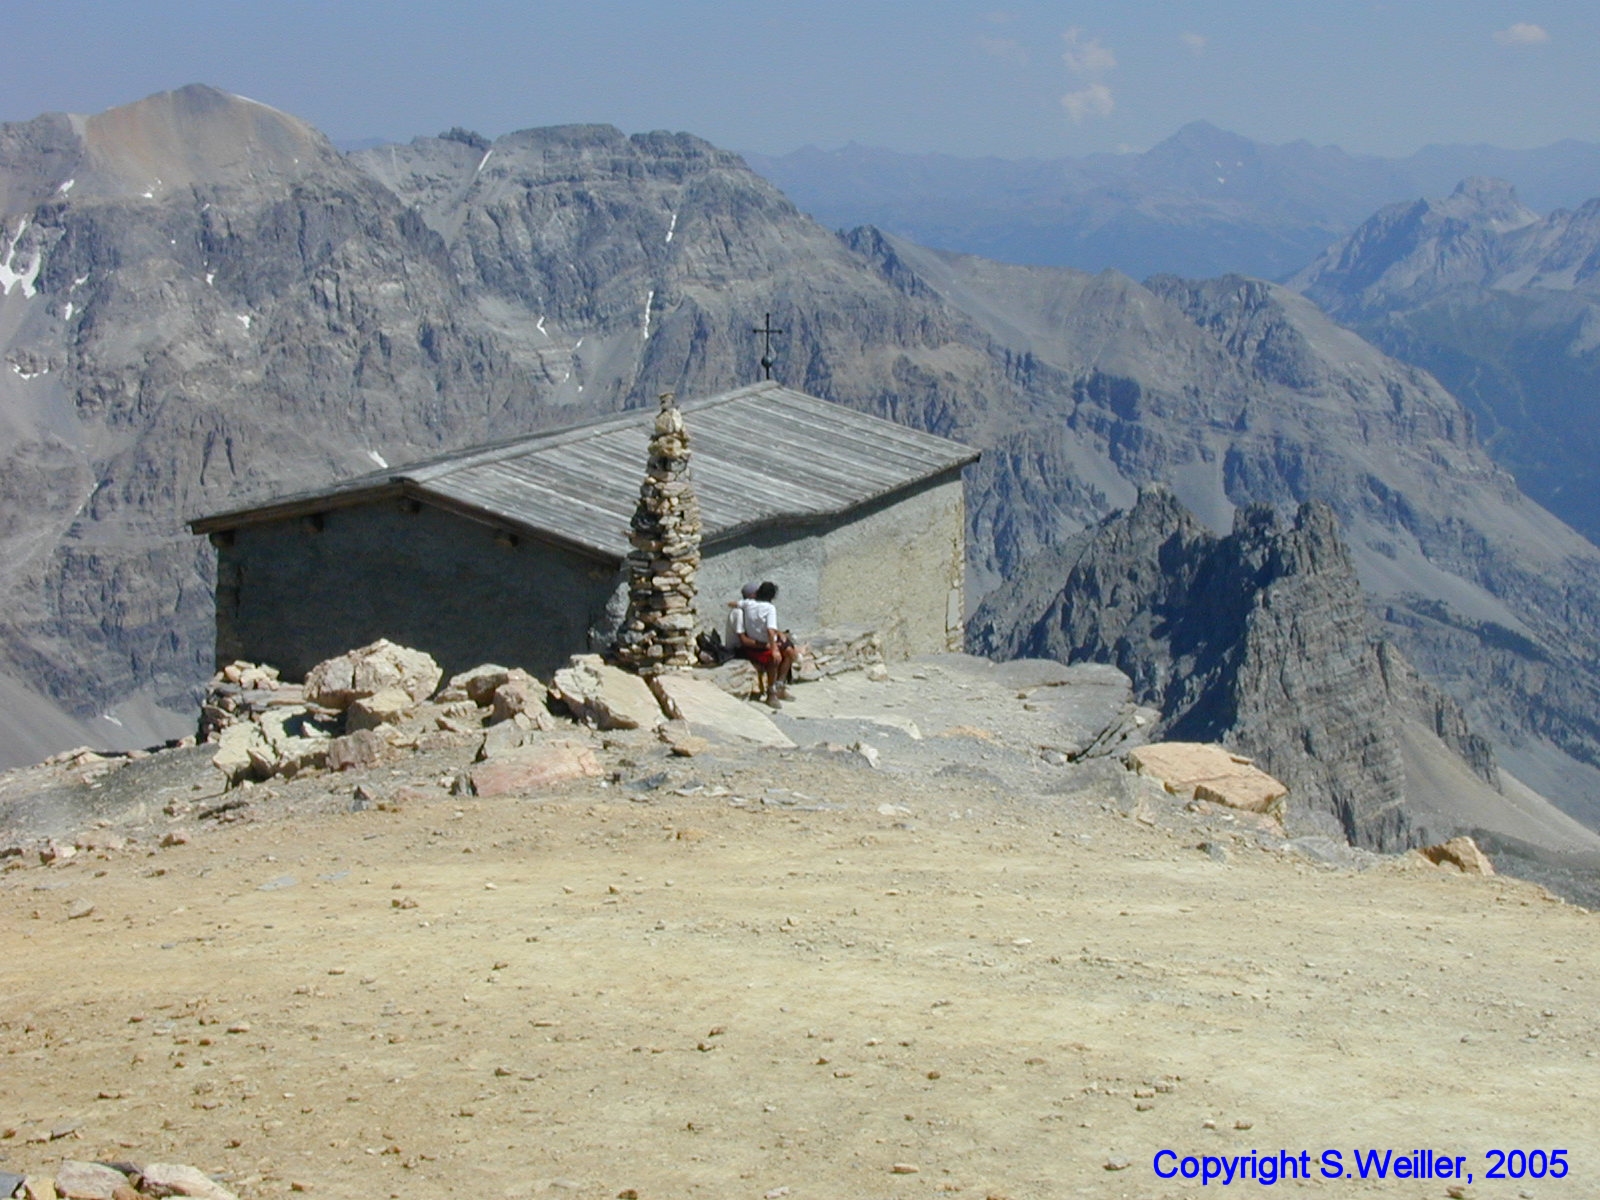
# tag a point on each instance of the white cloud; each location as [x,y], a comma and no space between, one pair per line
[1092,101]
[1085,57]
[1523,33]
[1195,41]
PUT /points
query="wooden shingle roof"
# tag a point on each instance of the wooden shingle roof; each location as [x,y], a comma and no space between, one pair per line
[761,455]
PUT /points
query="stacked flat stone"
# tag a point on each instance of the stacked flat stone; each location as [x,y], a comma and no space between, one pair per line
[658,633]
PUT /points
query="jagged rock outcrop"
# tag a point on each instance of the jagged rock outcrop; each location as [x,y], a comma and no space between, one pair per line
[1259,640]
[1438,713]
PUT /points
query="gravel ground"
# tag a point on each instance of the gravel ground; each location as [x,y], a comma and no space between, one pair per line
[970,970]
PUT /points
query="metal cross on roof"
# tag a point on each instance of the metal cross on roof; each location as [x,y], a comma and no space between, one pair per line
[766,330]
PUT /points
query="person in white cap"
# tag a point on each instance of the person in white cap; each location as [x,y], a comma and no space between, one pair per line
[769,647]
[733,627]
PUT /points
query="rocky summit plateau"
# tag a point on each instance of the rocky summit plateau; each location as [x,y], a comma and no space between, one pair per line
[205,304]
[922,930]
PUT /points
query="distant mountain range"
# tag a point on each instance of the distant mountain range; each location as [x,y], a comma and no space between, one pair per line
[1503,306]
[204,304]
[1203,202]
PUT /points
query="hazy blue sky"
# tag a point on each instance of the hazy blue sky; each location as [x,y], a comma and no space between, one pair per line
[1007,79]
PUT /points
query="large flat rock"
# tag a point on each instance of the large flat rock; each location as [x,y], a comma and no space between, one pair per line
[712,713]
[1205,772]
[1028,705]
[604,696]
[532,767]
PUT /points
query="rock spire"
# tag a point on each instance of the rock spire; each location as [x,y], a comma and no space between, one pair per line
[1259,640]
[658,633]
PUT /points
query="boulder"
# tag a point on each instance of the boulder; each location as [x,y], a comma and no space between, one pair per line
[386,707]
[681,741]
[1197,771]
[711,712]
[87,1180]
[479,684]
[1461,853]
[251,675]
[337,682]
[462,710]
[297,742]
[175,1179]
[235,746]
[500,739]
[363,748]
[282,741]
[530,768]
[297,755]
[520,694]
[54,852]
[604,696]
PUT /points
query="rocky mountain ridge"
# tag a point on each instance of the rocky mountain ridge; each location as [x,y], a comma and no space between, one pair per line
[1259,639]
[212,293]
[1292,408]
[225,341]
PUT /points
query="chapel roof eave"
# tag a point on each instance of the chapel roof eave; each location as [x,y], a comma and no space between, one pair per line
[576,487]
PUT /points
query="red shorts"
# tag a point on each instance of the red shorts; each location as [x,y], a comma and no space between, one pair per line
[763,656]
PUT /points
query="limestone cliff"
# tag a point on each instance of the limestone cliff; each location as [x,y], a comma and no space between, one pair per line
[1259,639]
[212,303]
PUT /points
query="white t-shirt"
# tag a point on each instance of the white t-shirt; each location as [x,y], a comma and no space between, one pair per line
[733,627]
[759,617]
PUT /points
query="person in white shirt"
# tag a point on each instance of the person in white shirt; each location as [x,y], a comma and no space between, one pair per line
[765,644]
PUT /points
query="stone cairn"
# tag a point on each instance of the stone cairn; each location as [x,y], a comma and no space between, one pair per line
[658,633]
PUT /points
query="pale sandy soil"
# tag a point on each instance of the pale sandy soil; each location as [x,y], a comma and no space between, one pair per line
[544,1016]
[603,991]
